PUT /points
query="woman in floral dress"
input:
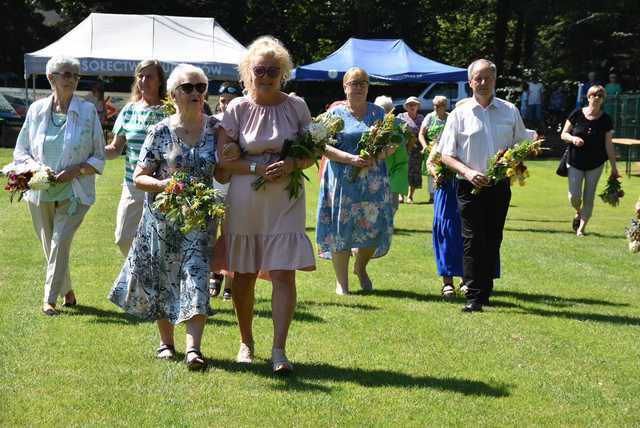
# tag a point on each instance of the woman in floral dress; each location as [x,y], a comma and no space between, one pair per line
[165,276]
[354,214]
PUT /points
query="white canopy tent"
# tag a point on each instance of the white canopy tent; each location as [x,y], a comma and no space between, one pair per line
[113,44]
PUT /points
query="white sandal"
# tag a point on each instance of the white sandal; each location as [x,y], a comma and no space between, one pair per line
[245,353]
[280,363]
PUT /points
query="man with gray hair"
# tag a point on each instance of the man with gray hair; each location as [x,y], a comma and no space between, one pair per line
[475,131]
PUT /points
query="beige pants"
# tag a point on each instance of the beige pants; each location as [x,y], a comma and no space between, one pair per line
[128,217]
[55,229]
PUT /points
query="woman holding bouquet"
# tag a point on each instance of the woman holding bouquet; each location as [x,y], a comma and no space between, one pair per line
[61,132]
[165,276]
[589,133]
[354,215]
[264,230]
[414,120]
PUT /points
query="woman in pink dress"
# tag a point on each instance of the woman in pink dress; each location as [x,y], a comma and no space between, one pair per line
[264,229]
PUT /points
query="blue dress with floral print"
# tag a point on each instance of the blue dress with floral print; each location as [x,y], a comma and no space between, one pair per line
[354,214]
[166,272]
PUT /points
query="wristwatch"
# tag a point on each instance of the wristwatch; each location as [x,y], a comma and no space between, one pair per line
[252,168]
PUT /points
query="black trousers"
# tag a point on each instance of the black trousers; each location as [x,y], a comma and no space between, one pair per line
[483,217]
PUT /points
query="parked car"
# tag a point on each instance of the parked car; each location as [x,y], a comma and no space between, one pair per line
[8,113]
[18,104]
[454,91]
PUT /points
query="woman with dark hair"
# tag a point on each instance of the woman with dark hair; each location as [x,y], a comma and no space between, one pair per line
[142,112]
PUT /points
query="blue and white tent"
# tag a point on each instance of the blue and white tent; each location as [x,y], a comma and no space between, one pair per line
[385,60]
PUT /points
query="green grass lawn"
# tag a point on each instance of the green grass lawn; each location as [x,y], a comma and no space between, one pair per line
[559,346]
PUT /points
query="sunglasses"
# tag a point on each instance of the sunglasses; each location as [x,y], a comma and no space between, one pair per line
[597,95]
[67,75]
[187,88]
[228,90]
[260,71]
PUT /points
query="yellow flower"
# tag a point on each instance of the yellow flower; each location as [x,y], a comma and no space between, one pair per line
[511,172]
[507,155]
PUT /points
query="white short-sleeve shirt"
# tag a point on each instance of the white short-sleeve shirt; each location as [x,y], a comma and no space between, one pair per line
[473,134]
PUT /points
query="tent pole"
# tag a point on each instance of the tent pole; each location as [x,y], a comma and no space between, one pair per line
[26,90]
[33,80]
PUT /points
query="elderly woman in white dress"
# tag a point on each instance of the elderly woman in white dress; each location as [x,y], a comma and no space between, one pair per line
[61,132]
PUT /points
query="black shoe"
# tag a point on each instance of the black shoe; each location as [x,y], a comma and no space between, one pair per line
[472,307]
[226,295]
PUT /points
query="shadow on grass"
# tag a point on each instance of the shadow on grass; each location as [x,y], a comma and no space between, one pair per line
[555,231]
[104,315]
[401,294]
[305,374]
[551,300]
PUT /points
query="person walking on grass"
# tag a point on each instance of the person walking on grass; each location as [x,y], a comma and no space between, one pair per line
[61,132]
[165,275]
[589,133]
[141,113]
[474,132]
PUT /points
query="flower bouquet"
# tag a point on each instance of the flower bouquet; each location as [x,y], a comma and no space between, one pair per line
[442,172]
[311,144]
[189,202]
[612,192]
[168,106]
[21,178]
[633,235]
[509,163]
[382,135]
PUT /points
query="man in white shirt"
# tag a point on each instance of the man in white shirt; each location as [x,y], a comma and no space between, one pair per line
[475,131]
[534,107]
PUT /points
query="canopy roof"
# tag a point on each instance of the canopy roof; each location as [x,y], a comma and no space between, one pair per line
[113,44]
[385,60]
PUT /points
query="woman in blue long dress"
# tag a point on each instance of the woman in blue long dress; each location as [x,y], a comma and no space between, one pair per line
[448,247]
[354,216]
[165,276]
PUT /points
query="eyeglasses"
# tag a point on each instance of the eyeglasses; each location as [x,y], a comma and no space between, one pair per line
[260,71]
[187,88]
[357,84]
[228,90]
[597,95]
[67,75]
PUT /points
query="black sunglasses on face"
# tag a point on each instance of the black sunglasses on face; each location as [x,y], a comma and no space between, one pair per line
[187,88]
[228,90]
[260,71]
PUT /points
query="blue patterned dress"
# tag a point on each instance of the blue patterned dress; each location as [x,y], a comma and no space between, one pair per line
[356,214]
[166,272]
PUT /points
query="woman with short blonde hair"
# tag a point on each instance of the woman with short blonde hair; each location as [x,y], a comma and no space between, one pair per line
[354,214]
[589,133]
[264,229]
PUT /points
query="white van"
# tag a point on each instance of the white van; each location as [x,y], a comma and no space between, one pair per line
[454,91]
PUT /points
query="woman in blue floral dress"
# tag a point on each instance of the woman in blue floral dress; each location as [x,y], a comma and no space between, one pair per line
[354,215]
[165,276]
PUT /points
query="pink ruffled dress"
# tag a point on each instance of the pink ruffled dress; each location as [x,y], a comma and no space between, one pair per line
[264,229]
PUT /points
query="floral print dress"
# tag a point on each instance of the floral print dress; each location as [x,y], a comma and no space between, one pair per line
[354,214]
[166,272]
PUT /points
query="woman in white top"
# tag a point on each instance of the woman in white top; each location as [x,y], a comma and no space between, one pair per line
[63,133]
